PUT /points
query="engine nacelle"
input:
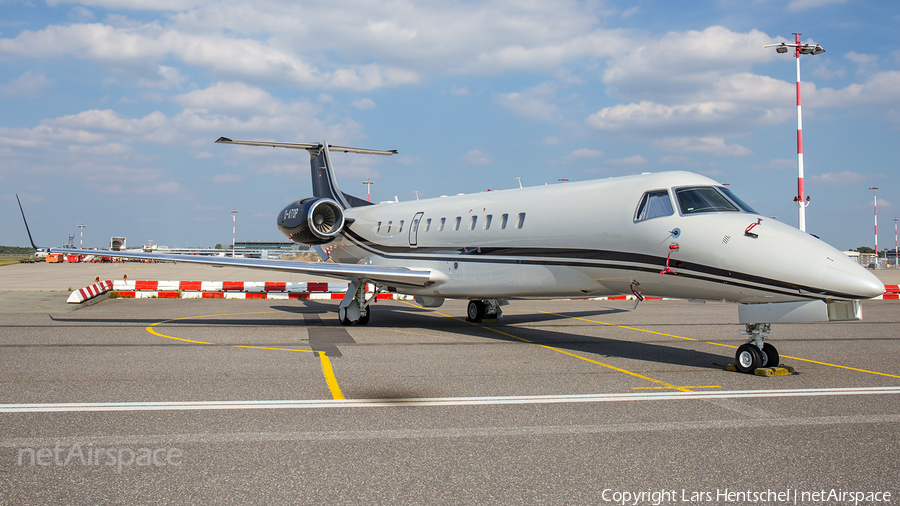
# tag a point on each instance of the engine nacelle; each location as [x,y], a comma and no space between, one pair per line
[311,220]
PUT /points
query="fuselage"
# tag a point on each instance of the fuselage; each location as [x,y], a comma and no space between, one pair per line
[602,237]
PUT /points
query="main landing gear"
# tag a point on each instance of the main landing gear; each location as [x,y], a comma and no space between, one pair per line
[354,307]
[756,353]
[481,309]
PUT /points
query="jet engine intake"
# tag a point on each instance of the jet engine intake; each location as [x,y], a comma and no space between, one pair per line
[311,220]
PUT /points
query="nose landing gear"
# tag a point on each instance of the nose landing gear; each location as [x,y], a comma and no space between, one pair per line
[756,353]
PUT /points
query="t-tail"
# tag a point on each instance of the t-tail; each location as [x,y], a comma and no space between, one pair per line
[318,219]
[324,182]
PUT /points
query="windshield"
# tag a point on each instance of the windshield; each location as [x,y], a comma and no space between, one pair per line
[703,199]
[743,205]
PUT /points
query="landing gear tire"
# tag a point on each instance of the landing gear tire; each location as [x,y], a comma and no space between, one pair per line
[364,319]
[475,311]
[748,358]
[771,355]
[342,316]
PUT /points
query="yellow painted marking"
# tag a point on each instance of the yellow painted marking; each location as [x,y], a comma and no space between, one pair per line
[266,348]
[724,345]
[329,376]
[841,366]
[150,330]
[327,370]
[617,369]
[663,388]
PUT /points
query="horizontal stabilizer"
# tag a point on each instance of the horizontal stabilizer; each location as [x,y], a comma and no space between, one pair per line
[316,146]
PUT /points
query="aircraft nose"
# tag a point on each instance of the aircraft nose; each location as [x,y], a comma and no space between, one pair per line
[855,281]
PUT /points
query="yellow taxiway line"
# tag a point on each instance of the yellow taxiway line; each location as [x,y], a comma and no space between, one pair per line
[662,384]
[327,370]
[720,344]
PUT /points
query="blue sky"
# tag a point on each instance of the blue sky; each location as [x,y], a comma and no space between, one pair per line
[109,108]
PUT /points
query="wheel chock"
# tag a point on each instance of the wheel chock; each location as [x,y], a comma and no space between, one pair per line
[774,371]
[783,370]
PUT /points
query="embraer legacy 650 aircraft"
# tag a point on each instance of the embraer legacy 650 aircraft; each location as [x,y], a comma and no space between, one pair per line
[671,234]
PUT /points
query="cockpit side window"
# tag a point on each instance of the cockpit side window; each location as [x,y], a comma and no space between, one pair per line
[703,199]
[654,204]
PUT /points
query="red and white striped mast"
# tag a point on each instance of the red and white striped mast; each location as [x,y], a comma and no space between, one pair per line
[368,182]
[896,258]
[801,199]
[875,192]
[233,226]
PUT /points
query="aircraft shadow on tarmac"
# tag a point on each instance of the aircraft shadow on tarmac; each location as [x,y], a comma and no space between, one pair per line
[394,316]
[413,316]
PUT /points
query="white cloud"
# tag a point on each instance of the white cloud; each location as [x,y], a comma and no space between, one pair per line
[866,62]
[878,90]
[709,145]
[630,160]
[28,84]
[532,103]
[825,70]
[363,104]
[169,78]
[143,45]
[476,158]
[839,179]
[459,91]
[582,154]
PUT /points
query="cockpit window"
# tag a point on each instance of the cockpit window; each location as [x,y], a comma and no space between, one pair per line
[654,204]
[743,205]
[703,199]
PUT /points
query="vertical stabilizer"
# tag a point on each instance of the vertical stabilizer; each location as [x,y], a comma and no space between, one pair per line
[324,183]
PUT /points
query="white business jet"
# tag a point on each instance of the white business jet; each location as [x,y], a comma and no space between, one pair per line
[670,234]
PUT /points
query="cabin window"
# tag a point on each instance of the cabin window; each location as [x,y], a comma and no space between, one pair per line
[400,227]
[703,199]
[487,222]
[520,220]
[441,224]
[388,231]
[503,219]
[654,204]
[456,224]
[378,227]
[472,222]
[427,224]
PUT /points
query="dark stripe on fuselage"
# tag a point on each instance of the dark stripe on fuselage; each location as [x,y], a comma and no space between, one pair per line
[569,257]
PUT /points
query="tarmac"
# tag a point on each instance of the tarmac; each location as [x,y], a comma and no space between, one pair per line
[559,402]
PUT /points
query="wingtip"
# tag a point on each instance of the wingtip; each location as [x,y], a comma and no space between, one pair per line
[224,139]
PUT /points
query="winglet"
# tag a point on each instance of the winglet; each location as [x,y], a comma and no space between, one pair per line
[26,222]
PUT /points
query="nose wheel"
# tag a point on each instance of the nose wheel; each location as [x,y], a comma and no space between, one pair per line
[756,353]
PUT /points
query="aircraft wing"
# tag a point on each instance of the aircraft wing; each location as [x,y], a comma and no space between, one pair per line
[374,273]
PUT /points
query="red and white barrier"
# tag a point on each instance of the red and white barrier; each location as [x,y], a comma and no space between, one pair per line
[268,290]
[89,292]
[233,290]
